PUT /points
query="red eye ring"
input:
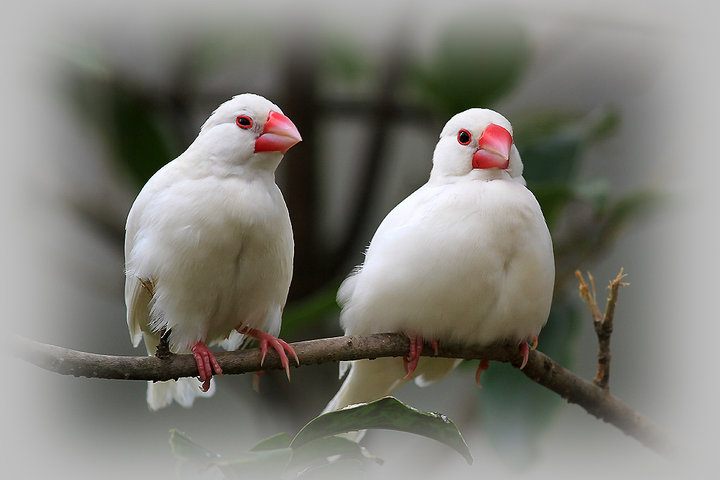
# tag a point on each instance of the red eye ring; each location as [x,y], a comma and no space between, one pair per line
[243,121]
[464,137]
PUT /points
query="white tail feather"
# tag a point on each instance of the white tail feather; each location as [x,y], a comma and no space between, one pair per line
[369,380]
[183,391]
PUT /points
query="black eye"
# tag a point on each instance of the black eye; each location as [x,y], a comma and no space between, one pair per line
[464,137]
[243,121]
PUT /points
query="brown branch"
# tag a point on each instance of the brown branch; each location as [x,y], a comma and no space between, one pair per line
[603,323]
[540,368]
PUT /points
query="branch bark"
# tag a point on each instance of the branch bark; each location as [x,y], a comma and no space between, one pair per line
[540,368]
[603,323]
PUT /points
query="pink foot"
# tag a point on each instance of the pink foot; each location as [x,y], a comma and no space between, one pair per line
[280,346]
[534,341]
[410,362]
[482,366]
[206,363]
[525,352]
[435,346]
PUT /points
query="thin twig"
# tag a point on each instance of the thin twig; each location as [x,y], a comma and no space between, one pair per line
[603,323]
[540,368]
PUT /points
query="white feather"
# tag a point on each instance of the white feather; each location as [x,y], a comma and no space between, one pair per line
[211,232]
[467,258]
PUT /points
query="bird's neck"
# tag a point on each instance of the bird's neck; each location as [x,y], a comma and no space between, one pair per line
[476,174]
[225,161]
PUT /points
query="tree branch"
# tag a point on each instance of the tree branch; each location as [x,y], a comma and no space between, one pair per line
[603,323]
[540,368]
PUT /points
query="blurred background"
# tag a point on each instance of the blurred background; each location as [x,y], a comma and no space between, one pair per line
[612,108]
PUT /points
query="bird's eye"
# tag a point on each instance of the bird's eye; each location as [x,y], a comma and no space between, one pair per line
[464,137]
[243,121]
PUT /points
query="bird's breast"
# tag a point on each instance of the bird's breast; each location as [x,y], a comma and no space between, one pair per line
[454,262]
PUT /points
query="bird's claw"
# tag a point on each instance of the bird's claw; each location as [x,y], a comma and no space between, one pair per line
[525,352]
[206,364]
[482,366]
[525,348]
[279,345]
[410,361]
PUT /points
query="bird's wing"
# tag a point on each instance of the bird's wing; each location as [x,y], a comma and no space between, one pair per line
[137,300]
[137,290]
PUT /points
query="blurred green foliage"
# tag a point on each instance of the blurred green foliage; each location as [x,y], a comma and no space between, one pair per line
[281,455]
[468,67]
[138,137]
[473,65]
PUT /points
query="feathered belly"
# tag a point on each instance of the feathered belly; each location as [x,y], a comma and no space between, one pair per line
[475,279]
[211,285]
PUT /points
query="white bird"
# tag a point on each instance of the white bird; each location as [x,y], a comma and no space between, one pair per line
[209,245]
[467,258]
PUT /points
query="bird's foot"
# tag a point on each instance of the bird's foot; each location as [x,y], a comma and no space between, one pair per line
[280,346]
[163,348]
[410,361]
[482,366]
[525,348]
[525,352]
[206,363]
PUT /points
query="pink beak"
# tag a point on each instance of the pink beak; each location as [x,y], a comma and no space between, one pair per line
[493,148]
[278,135]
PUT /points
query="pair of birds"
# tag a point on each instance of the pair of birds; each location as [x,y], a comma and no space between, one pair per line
[467,258]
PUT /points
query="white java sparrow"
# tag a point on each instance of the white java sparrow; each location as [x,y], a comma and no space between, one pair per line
[467,258]
[209,245]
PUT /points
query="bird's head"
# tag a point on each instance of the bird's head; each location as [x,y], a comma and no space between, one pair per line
[248,127]
[476,140]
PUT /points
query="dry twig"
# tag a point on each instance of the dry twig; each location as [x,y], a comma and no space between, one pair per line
[603,323]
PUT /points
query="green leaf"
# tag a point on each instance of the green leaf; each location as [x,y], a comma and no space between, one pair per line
[473,65]
[552,159]
[345,61]
[265,463]
[631,206]
[136,126]
[552,200]
[139,137]
[350,469]
[279,440]
[385,413]
[596,192]
[324,447]
[553,143]
[184,448]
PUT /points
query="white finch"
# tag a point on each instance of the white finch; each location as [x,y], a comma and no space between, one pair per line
[209,245]
[467,258]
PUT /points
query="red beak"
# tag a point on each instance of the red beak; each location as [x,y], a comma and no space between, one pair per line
[278,135]
[493,148]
